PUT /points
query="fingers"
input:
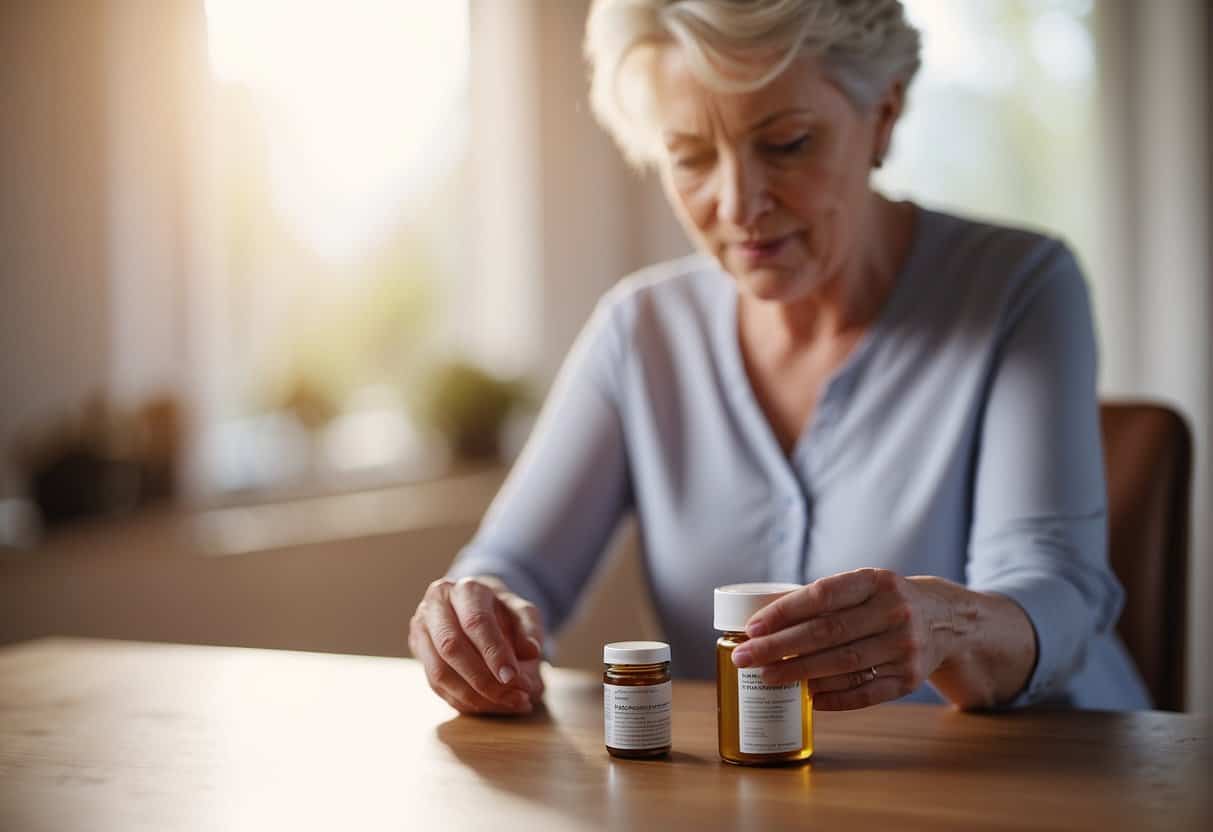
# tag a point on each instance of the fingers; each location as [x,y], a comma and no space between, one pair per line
[857,639]
[529,672]
[836,592]
[527,616]
[469,636]
[455,648]
[880,689]
[452,688]
[517,618]
[527,648]
[476,608]
[858,678]
[849,658]
[875,616]
[525,626]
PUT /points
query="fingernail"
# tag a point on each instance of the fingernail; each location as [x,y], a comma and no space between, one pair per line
[756,629]
[506,675]
[741,657]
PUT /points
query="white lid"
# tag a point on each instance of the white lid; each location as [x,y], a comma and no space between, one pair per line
[734,604]
[635,652]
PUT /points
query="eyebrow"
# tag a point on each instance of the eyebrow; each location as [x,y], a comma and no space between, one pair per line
[674,136]
[778,114]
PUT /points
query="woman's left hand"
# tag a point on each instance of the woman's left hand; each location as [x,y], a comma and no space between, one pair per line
[858,638]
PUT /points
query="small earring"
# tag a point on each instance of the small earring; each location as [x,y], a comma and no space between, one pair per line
[878,162]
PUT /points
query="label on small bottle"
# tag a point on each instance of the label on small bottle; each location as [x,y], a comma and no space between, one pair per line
[637,716]
[769,716]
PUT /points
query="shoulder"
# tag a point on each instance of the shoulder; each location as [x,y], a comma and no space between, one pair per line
[685,289]
[672,281]
[650,310]
[998,270]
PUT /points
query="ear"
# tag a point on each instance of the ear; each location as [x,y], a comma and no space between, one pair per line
[887,112]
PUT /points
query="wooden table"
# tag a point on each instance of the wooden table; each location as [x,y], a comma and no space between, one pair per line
[101,735]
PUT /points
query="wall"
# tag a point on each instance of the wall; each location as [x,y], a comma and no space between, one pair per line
[160,578]
[1159,310]
[148,581]
[55,345]
[153,44]
[560,217]
[601,220]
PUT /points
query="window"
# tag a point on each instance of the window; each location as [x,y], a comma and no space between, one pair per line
[337,166]
[1002,119]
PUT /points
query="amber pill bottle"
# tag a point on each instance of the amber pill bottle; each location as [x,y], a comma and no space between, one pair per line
[758,724]
[637,697]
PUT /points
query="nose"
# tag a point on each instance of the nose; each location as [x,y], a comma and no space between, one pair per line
[742,196]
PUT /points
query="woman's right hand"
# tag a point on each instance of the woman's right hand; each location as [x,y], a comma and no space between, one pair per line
[480,644]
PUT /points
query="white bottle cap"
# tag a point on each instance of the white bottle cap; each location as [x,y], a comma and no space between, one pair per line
[734,604]
[635,652]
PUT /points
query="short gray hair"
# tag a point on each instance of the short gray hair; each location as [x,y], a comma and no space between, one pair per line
[865,45]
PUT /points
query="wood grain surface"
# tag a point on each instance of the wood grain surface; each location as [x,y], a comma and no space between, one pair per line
[100,735]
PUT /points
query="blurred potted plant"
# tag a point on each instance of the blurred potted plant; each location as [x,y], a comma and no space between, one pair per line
[102,460]
[469,408]
[308,402]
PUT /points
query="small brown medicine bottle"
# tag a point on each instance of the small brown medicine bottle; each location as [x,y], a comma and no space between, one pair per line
[758,724]
[637,698]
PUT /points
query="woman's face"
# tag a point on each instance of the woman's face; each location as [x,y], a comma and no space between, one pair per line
[773,183]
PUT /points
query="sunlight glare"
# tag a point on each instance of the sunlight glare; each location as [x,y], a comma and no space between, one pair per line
[961,48]
[361,99]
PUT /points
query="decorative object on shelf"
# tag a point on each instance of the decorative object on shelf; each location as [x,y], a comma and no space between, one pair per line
[469,408]
[102,460]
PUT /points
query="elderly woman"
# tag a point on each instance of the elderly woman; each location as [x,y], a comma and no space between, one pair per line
[892,406]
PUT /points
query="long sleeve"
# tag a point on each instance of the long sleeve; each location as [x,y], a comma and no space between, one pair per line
[547,528]
[1039,533]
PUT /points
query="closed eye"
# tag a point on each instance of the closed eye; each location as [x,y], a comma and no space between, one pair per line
[789,148]
[688,161]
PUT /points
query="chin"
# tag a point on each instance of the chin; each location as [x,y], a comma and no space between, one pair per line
[775,285]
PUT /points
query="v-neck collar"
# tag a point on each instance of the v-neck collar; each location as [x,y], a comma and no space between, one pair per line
[743,389]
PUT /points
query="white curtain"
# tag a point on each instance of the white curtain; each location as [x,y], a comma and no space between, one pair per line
[1156,315]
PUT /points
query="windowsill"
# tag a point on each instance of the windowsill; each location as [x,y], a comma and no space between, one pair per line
[459,499]
[166,532]
[330,484]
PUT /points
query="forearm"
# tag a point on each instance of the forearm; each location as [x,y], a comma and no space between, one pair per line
[986,644]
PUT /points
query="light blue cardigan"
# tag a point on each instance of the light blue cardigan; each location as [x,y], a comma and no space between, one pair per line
[960,439]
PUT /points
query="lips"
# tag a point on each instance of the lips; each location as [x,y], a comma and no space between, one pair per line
[763,249]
